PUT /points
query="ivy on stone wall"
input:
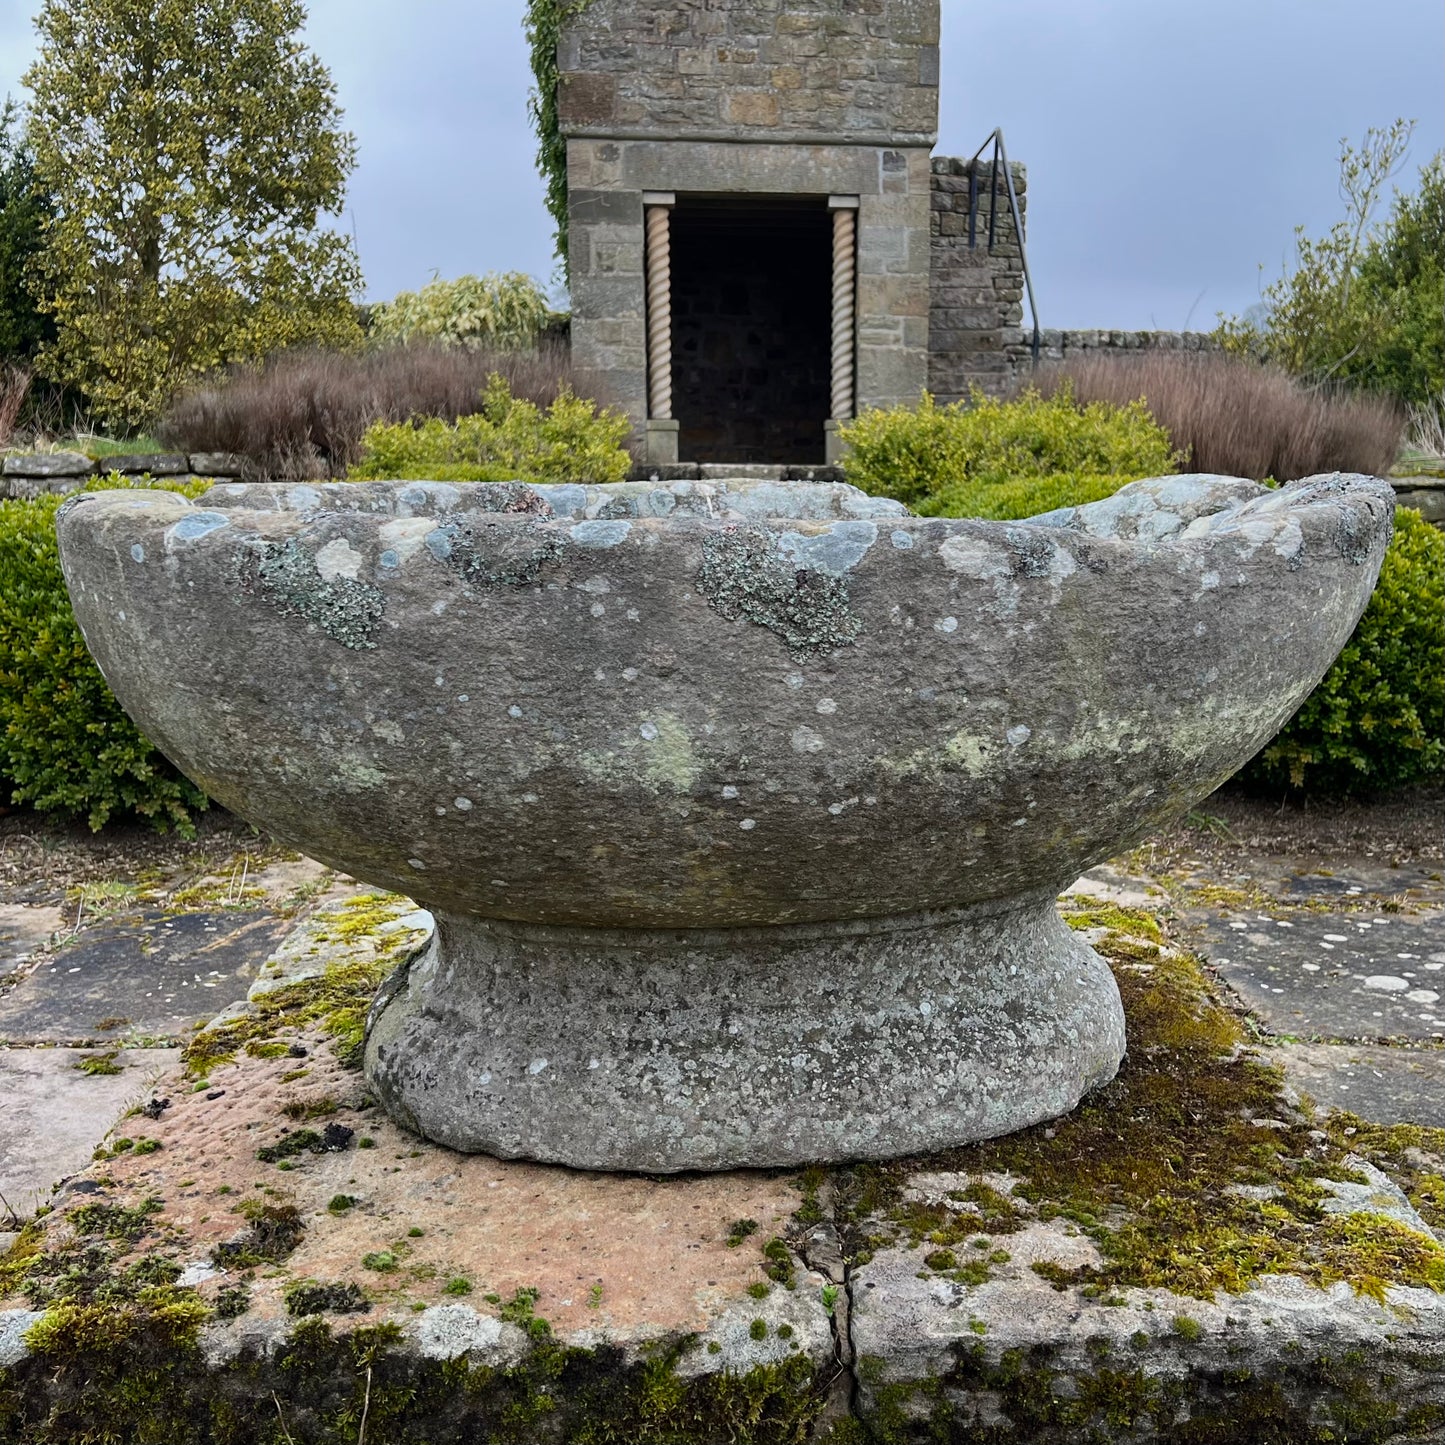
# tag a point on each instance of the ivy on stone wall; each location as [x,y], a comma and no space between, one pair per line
[543,27]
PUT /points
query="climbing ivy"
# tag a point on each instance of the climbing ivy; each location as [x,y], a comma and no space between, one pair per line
[543,27]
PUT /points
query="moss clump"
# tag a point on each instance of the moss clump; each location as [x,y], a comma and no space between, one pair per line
[338,999]
[332,1140]
[311,1297]
[778,1263]
[1148,1165]
[1319,1400]
[739,1230]
[1131,922]
[275,1230]
[94,1064]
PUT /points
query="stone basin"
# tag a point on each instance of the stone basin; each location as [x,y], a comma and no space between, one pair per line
[741,807]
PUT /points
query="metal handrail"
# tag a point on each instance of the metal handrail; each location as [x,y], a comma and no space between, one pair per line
[1000,158]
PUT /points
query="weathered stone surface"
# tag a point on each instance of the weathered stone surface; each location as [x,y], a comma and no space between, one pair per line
[55,1115]
[156,464]
[1386,1085]
[1357,975]
[635,1049]
[686,722]
[217,464]
[24,927]
[49,464]
[150,976]
[749,72]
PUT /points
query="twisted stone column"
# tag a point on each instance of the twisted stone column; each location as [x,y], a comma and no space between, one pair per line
[845,259]
[659,315]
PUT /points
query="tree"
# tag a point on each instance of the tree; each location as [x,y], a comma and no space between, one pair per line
[192,148]
[1365,303]
[24,207]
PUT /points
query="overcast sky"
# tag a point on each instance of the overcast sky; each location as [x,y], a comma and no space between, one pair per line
[1172,145]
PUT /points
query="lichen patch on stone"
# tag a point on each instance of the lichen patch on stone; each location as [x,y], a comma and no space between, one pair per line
[344,608]
[746,578]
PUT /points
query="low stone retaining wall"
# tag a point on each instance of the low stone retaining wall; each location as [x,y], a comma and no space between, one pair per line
[43,473]
[1425,495]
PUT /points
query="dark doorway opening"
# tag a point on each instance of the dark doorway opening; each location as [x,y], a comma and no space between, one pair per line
[751,319]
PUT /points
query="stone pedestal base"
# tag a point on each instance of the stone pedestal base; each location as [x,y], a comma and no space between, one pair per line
[835,449]
[661,440]
[717,1049]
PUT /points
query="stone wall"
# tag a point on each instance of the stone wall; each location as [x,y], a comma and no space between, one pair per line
[976,291]
[736,70]
[1071,345]
[28,475]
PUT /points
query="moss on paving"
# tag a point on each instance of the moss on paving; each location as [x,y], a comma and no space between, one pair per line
[337,998]
[1144,1168]
[1154,1166]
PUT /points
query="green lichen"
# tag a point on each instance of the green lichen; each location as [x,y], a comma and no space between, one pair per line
[746,579]
[345,608]
[485,553]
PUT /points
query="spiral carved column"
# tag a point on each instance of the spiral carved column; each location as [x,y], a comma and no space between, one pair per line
[659,314]
[845,265]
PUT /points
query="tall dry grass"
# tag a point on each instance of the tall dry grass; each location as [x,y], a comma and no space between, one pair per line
[14,389]
[302,414]
[1236,417]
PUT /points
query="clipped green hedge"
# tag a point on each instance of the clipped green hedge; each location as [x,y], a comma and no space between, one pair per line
[1019,497]
[914,453]
[509,440]
[65,743]
[1377,720]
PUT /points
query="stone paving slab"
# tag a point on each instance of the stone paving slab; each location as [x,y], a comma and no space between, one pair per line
[940,1299]
[1382,1084]
[151,976]
[54,1115]
[24,927]
[1334,975]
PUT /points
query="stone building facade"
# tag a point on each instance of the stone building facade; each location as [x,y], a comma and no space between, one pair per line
[761,241]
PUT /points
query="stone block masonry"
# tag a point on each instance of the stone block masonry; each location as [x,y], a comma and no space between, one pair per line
[24,477]
[826,70]
[976,288]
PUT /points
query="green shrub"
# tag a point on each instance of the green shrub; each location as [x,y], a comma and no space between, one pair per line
[1377,721]
[508,440]
[913,453]
[65,743]
[498,309]
[1008,501]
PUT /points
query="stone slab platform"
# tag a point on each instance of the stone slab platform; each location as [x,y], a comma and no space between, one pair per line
[1192,1255]
[55,1114]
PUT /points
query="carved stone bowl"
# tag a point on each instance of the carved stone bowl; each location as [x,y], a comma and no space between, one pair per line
[741,808]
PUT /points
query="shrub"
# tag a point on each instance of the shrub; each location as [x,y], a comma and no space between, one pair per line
[303,413]
[913,453]
[1362,303]
[1233,416]
[65,743]
[510,439]
[1020,497]
[1377,720]
[506,309]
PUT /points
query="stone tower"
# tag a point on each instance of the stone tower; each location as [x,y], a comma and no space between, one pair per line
[749,197]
